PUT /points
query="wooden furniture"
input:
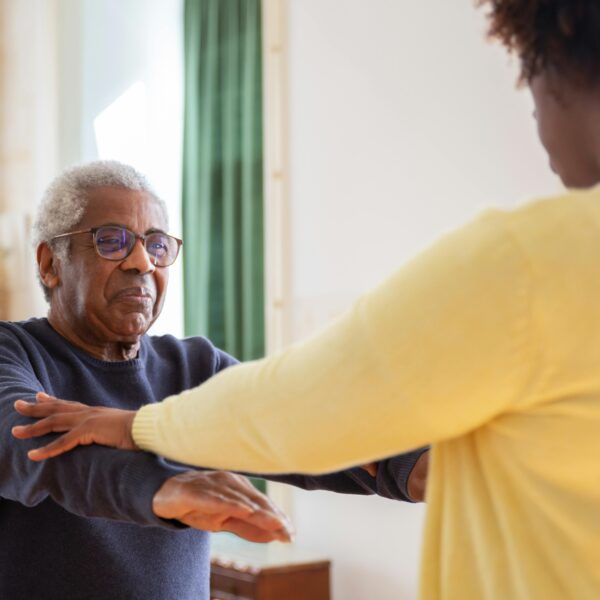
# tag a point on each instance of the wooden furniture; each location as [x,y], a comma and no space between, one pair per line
[244,571]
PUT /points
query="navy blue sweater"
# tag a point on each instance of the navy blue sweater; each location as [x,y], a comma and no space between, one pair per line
[81,526]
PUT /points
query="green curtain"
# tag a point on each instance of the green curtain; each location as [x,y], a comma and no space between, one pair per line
[222,175]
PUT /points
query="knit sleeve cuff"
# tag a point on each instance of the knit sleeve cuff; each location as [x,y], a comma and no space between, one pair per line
[144,429]
[393,474]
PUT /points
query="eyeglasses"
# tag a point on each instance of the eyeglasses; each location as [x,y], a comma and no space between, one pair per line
[114,242]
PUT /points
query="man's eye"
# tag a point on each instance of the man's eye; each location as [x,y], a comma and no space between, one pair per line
[110,243]
[157,247]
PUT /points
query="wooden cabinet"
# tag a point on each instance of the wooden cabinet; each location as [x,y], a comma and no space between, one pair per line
[244,571]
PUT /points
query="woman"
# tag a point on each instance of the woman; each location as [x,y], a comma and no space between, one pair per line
[486,347]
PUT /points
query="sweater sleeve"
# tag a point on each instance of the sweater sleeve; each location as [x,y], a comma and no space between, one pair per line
[391,480]
[91,481]
[441,348]
[392,474]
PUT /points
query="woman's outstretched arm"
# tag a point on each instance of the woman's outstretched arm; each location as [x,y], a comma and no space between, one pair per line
[438,350]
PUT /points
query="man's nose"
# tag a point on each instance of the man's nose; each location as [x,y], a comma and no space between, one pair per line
[139,259]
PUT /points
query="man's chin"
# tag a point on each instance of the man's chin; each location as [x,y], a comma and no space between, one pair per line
[132,327]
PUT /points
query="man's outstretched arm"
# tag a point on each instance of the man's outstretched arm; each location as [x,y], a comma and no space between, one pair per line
[96,481]
[402,477]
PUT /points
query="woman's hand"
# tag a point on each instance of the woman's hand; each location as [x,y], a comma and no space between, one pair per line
[82,424]
[207,500]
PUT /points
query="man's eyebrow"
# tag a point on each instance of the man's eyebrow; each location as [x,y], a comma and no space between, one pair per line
[111,225]
[151,230]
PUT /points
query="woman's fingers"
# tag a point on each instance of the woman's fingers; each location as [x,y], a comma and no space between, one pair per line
[55,416]
[58,403]
[51,424]
[84,425]
[60,445]
[43,397]
[46,408]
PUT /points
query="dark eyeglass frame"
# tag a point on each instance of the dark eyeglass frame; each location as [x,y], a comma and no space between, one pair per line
[137,236]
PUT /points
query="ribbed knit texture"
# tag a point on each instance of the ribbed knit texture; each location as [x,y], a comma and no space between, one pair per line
[81,526]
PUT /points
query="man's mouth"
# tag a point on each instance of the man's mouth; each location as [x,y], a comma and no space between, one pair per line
[135,294]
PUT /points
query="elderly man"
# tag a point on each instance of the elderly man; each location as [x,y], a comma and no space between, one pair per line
[100,523]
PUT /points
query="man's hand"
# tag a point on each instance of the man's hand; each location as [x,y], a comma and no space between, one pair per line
[83,424]
[221,501]
[417,480]
[370,468]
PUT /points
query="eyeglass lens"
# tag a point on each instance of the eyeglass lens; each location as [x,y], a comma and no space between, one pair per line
[116,243]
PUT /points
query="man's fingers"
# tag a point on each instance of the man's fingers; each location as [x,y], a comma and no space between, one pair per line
[252,507]
[225,506]
[270,521]
[210,500]
[268,515]
[228,505]
[251,527]
[370,468]
[252,533]
[247,488]
[268,505]
[245,492]
[216,500]
[213,508]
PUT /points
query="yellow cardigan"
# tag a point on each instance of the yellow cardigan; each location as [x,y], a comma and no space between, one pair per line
[486,346]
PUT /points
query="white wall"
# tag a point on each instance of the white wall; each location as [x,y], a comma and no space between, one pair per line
[404,123]
[105,48]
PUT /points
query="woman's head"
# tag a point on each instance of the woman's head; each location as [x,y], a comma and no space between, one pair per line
[558,46]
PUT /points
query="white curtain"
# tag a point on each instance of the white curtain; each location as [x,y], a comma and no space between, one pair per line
[28,151]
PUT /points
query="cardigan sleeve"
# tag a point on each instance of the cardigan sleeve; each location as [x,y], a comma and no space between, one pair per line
[438,350]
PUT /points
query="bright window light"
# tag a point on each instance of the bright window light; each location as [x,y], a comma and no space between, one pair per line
[121,128]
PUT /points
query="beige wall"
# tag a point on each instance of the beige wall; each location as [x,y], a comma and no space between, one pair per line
[27,143]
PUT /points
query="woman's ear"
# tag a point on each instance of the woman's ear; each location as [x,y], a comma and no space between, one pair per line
[47,266]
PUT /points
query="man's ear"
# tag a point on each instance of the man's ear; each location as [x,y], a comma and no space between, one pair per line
[47,266]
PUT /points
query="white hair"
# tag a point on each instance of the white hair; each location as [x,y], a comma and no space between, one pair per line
[65,199]
[64,202]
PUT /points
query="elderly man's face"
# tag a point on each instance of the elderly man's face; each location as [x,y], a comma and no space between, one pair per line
[112,301]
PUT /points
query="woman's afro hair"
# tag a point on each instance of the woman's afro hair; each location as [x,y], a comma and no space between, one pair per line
[560,35]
